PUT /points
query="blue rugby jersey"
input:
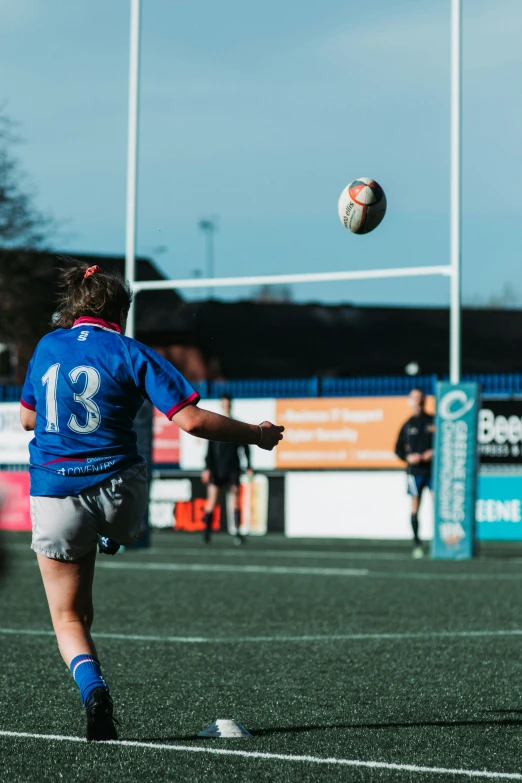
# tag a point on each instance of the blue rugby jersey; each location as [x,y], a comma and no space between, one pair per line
[87,384]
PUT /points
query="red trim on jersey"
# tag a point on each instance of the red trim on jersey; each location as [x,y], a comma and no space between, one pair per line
[194,397]
[27,405]
[65,459]
[86,319]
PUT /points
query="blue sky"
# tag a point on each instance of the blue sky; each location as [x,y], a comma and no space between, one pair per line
[261,114]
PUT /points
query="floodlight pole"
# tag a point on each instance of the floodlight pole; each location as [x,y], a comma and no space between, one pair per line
[456,170]
[132,156]
[209,227]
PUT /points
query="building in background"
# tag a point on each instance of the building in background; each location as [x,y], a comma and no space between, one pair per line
[265,338]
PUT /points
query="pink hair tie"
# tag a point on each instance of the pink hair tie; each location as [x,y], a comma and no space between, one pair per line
[91,270]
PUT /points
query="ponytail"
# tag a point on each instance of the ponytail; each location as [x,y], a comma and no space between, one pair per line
[88,290]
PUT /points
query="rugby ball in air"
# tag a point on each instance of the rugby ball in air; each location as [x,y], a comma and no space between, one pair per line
[362,205]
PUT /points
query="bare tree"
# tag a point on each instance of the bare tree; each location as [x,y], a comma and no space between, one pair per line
[24,231]
[507,298]
[21,224]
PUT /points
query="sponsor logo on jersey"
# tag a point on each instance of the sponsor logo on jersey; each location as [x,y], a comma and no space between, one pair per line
[85,470]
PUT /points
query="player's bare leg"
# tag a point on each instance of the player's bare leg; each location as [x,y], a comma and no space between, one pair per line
[68,587]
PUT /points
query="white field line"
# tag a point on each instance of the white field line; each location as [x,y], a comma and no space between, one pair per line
[300,570]
[348,637]
[240,569]
[253,754]
[281,553]
[253,552]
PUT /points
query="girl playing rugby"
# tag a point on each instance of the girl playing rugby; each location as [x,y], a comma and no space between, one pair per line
[84,386]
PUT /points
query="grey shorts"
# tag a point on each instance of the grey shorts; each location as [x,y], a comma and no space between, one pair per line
[68,528]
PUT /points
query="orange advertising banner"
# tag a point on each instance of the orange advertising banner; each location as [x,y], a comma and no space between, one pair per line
[345,432]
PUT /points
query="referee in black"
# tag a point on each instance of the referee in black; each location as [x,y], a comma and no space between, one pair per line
[223,470]
[415,447]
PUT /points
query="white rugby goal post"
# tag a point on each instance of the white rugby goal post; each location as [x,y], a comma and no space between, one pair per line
[451,270]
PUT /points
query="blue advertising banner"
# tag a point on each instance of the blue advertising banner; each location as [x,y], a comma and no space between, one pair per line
[499,512]
[455,470]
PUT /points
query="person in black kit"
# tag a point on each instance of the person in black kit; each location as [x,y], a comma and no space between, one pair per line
[223,470]
[415,446]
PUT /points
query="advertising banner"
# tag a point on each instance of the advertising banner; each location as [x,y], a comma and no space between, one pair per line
[165,440]
[499,513]
[164,494]
[14,441]
[331,432]
[189,515]
[455,470]
[500,432]
[179,504]
[14,501]
[349,432]
[253,502]
[374,505]
[352,504]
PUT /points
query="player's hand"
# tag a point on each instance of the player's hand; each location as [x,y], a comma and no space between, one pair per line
[413,459]
[205,476]
[270,435]
[428,455]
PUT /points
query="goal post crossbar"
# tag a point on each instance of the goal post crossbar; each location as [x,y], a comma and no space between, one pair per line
[453,270]
[311,277]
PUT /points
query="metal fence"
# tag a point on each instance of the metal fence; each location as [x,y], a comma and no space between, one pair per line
[10,393]
[506,384]
[500,384]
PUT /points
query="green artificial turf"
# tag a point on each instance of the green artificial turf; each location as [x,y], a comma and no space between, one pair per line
[432,701]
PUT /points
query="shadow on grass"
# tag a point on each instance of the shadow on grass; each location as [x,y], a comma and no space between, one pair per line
[414,724]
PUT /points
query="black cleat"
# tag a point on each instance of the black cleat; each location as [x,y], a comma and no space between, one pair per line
[100,722]
[106,546]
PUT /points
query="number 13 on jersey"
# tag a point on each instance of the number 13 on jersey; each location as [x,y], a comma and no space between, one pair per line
[91,378]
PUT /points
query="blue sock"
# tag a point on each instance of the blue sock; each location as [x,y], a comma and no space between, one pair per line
[87,675]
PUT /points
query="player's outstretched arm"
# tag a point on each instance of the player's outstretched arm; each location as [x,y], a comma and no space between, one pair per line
[204,424]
